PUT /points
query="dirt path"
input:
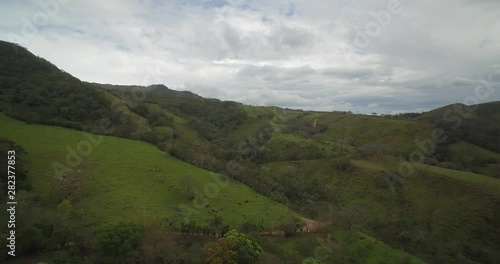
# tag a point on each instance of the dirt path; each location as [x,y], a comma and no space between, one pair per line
[312,226]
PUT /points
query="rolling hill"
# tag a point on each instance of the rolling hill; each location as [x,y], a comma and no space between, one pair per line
[123,176]
[99,156]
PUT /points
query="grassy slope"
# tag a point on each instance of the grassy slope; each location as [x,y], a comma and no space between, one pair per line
[181,125]
[483,161]
[456,205]
[368,249]
[460,206]
[460,149]
[125,175]
[358,188]
[397,134]
[375,251]
[118,103]
[355,188]
[249,129]
[475,179]
[257,117]
[281,140]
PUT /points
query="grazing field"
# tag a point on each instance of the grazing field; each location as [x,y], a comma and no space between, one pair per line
[130,180]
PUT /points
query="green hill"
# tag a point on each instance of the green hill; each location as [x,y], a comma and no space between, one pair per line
[477,124]
[132,181]
[124,176]
[339,170]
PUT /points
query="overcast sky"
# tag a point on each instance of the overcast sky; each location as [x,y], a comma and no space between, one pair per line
[382,56]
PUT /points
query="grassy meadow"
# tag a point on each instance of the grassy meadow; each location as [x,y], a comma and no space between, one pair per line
[132,180]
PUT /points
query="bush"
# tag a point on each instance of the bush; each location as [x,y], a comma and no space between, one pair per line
[221,251]
[234,247]
[63,257]
[345,165]
[30,239]
[311,261]
[121,240]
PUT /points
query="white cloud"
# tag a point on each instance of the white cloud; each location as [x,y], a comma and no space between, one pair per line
[299,54]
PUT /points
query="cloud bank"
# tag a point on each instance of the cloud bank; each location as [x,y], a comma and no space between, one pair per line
[384,56]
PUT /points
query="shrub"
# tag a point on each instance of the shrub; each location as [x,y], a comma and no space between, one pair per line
[121,240]
[30,239]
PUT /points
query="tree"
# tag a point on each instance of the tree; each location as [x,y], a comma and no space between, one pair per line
[158,246]
[159,119]
[311,261]
[141,109]
[64,210]
[121,240]
[216,224]
[30,240]
[353,215]
[159,135]
[344,164]
[291,226]
[234,247]
[248,250]
[222,251]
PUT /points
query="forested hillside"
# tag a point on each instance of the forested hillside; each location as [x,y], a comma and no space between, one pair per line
[285,178]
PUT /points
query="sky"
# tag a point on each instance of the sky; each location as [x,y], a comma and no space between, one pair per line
[383,56]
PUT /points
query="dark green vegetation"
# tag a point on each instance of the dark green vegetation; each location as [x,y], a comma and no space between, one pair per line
[233,248]
[477,124]
[144,193]
[34,90]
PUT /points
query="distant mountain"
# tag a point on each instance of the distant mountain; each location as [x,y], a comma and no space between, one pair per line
[34,90]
